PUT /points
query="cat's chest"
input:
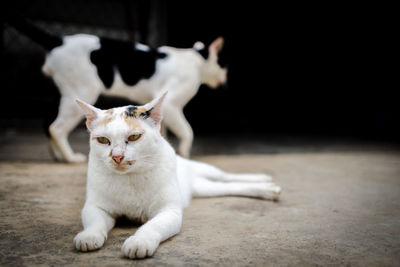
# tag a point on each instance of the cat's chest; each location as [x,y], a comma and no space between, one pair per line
[121,196]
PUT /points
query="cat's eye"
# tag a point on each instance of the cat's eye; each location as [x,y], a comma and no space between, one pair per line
[134,137]
[103,140]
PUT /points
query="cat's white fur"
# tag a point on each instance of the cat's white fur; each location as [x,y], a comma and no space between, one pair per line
[145,180]
[181,73]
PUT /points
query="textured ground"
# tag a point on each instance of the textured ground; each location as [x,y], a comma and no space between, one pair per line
[337,208]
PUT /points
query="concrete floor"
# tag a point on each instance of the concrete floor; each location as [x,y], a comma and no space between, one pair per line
[340,206]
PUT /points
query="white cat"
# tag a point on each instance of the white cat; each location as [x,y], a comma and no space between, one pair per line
[84,66]
[133,171]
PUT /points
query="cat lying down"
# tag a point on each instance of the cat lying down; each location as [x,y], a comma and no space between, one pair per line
[133,171]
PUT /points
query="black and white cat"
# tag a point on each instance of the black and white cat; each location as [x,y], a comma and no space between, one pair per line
[133,171]
[84,66]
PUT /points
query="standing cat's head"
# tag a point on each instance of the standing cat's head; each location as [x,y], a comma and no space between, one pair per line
[213,74]
[124,139]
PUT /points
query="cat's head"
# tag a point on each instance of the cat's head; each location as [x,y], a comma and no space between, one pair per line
[213,74]
[125,139]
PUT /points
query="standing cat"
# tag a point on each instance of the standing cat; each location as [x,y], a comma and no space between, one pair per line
[133,171]
[84,66]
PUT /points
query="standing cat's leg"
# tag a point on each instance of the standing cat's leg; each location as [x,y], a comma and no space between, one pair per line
[54,150]
[175,120]
[96,224]
[69,115]
[181,89]
[147,238]
[203,187]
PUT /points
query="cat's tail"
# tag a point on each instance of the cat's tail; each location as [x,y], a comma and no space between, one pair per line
[39,36]
[199,46]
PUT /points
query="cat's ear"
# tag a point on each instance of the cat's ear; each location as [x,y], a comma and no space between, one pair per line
[155,109]
[90,112]
[216,46]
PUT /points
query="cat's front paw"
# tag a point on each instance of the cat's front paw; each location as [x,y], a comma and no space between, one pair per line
[89,240]
[139,247]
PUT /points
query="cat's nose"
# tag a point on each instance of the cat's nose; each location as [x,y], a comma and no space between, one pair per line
[118,158]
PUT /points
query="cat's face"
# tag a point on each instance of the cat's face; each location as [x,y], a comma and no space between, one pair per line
[124,139]
[213,74]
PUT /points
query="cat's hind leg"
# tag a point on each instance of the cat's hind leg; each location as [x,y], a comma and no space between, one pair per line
[54,150]
[175,121]
[69,115]
[213,173]
[96,225]
[203,187]
[209,181]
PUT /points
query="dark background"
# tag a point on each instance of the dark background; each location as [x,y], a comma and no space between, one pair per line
[294,69]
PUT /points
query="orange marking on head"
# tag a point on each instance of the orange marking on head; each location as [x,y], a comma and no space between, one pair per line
[139,111]
[133,123]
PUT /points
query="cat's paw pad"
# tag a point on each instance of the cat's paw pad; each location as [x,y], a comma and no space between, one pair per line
[89,240]
[138,247]
[77,158]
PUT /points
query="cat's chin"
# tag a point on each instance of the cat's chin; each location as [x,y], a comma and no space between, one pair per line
[121,169]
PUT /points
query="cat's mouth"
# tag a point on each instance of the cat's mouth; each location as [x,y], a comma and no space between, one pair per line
[123,165]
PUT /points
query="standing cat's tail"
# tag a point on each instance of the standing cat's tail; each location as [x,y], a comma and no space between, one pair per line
[43,38]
